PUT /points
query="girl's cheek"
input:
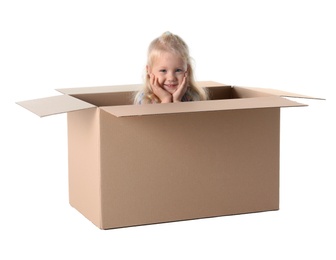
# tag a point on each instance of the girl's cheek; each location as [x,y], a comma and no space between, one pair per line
[180,78]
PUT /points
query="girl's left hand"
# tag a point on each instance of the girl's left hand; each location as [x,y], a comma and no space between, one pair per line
[181,90]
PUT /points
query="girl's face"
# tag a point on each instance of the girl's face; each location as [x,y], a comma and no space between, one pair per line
[170,70]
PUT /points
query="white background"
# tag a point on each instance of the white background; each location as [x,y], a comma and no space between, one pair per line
[289,45]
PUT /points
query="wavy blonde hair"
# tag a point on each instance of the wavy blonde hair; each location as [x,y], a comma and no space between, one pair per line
[172,43]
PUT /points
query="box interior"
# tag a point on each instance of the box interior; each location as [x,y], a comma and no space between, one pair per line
[126,98]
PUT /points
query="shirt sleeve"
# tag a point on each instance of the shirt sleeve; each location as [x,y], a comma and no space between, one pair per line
[139,98]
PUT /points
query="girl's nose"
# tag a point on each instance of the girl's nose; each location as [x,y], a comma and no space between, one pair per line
[171,76]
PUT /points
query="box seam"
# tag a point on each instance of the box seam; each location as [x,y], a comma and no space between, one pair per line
[99,170]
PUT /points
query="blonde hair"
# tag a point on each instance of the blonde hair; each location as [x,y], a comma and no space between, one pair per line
[169,42]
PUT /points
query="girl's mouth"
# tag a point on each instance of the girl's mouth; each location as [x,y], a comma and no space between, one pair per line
[171,85]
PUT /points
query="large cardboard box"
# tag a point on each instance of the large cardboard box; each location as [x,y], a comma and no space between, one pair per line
[141,164]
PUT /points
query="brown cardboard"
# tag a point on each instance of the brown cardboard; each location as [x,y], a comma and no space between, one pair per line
[142,164]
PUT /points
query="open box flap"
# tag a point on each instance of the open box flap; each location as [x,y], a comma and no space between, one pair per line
[279,93]
[198,106]
[102,89]
[54,105]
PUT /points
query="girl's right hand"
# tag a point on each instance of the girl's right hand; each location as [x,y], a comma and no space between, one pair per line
[157,89]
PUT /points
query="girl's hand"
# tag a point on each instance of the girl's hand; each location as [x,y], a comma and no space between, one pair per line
[157,89]
[181,90]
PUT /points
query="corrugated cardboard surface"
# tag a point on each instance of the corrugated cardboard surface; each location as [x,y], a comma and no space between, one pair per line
[54,105]
[163,168]
[84,163]
[134,165]
[200,106]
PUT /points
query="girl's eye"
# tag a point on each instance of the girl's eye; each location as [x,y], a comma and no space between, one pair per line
[163,71]
[179,70]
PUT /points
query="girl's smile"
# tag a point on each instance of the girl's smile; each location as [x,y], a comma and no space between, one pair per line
[170,86]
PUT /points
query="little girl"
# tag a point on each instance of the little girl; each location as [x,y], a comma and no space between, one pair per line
[169,73]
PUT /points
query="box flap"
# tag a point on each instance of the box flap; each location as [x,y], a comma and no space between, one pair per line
[210,84]
[199,106]
[102,89]
[279,93]
[54,105]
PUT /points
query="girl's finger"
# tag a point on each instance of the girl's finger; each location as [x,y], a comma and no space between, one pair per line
[151,79]
[156,83]
[184,81]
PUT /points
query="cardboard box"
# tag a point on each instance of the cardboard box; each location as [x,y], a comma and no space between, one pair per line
[142,164]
